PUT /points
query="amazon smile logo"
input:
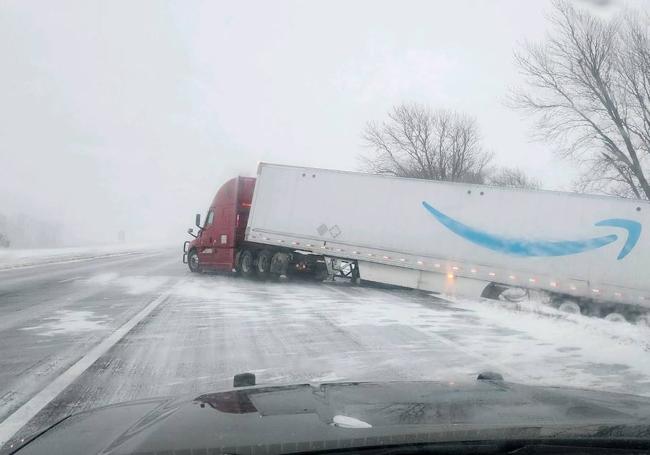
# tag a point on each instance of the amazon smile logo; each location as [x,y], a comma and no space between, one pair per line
[541,248]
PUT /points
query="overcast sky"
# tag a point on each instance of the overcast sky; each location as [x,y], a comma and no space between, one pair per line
[130,114]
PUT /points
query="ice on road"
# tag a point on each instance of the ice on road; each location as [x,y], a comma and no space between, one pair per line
[204,329]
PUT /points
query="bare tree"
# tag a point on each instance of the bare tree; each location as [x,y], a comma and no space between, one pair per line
[589,89]
[417,142]
[512,178]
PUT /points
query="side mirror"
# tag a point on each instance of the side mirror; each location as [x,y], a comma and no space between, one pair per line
[197,220]
[190,231]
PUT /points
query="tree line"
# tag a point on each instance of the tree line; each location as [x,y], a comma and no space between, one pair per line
[587,85]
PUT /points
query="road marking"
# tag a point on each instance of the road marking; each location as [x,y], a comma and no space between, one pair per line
[19,418]
[70,279]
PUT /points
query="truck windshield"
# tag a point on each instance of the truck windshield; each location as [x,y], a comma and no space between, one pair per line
[323,192]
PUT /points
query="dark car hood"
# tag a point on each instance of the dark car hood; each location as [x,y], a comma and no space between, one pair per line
[307,417]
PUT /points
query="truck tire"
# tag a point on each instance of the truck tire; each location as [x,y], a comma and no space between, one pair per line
[193,261]
[320,272]
[246,264]
[569,306]
[263,264]
[615,317]
[279,265]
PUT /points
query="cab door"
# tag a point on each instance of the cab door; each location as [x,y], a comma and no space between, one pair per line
[225,238]
[207,243]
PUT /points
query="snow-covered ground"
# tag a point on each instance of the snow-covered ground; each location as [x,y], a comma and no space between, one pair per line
[206,328]
[11,258]
[412,335]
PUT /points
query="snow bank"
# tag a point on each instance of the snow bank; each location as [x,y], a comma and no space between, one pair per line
[12,258]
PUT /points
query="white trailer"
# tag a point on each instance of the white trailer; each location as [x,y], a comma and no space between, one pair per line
[457,238]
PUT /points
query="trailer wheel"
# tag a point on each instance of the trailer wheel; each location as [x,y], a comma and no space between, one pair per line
[569,306]
[193,261]
[644,320]
[263,263]
[247,263]
[615,317]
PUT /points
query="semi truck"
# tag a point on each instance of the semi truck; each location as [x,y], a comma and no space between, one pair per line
[588,251]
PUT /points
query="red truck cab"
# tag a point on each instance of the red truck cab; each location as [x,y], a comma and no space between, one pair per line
[221,244]
[216,244]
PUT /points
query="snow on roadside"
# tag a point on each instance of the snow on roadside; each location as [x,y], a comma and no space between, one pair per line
[552,347]
[14,258]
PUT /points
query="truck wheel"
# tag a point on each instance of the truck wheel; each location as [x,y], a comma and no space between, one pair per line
[320,271]
[569,306]
[644,321]
[264,263]
[247,263]
[279,265]
[193,261]
[615,317]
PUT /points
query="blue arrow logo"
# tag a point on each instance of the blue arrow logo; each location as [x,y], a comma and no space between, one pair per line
[540,248]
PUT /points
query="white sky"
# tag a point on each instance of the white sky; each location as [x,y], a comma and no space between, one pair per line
[130,114]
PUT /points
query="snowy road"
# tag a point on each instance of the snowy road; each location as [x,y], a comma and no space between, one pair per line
[80,335]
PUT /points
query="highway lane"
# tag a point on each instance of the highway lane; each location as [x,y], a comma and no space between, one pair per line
[51,315]
[197,331]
